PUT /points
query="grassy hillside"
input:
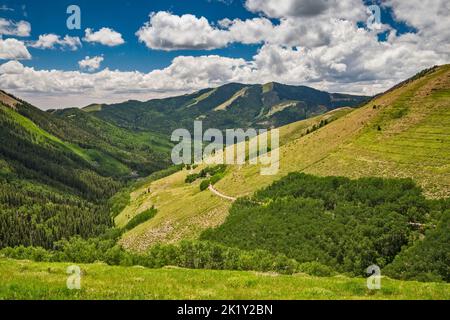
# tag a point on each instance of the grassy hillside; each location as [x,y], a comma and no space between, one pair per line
[229,106]
[184,211]
[401,134]
[30,280]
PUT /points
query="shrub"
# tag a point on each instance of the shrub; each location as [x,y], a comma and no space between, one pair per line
[205,185]
[216,178]
[140,218]
[192,178]
[28,253]
[316,269]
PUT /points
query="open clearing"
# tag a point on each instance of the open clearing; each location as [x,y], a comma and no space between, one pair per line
[32,280]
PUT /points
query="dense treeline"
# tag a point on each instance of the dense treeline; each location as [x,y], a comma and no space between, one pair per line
[34,154]
[40,219]
[427,259]
[35,213]
[186,254]
[345,224]
[140,218]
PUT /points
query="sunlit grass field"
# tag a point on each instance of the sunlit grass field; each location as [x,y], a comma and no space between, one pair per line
[39,281]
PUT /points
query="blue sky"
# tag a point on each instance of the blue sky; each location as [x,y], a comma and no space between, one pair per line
[190,45]
[126,17]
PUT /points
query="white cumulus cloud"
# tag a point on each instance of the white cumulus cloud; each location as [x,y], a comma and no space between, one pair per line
[429,17]
[105,36]
[13,49]
[169,32]
[343,9]
[11,67]
[51,41]
[11,28]
[166,31]
[340,68]
[91,64]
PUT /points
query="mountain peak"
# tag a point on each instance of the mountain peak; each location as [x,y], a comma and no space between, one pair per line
[233,105]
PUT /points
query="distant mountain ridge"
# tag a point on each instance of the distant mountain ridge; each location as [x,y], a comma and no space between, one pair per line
[233,105]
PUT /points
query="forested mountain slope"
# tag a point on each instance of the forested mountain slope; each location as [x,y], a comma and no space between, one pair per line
[56,176]
[230,106]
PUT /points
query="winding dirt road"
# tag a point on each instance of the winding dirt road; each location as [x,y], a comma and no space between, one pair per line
[217,193]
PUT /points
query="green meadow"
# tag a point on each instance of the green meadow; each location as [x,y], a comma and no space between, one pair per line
[42,281]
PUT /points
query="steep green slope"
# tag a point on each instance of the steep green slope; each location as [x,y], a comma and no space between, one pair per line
[57,172]
[113,150]
[230,106]
[401,134]
[143,151]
